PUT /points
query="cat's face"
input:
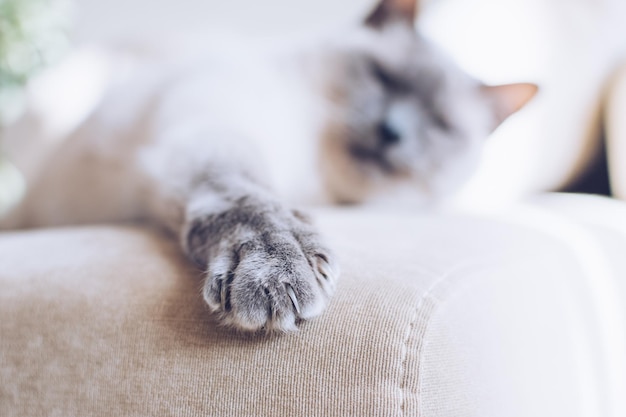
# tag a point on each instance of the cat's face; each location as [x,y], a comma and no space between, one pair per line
[401,113]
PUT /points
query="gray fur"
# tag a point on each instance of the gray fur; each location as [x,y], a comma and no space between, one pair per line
[266,265]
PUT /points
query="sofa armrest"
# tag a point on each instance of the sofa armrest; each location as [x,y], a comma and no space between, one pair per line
[434,316]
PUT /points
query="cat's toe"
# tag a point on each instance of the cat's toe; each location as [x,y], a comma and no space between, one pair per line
[216,291]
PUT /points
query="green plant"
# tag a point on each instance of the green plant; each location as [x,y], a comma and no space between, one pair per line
[32,36]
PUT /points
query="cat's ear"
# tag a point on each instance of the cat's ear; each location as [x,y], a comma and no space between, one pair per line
[509,98]
[389,11]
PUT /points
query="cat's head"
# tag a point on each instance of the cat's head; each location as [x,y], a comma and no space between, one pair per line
[401,113]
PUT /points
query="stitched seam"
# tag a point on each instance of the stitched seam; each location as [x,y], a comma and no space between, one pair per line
[427,317]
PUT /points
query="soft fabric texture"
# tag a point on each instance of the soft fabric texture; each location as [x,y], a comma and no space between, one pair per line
[517,314]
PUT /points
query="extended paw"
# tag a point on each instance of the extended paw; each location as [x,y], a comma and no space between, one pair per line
[268,275]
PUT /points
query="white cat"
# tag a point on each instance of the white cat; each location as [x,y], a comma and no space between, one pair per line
[215,149]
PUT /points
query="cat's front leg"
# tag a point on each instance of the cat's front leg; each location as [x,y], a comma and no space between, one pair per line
[266,266]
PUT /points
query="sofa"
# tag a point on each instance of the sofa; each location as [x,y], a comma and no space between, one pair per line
[510,309]
[519,312]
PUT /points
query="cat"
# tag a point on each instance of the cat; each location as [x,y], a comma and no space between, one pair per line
[217,150]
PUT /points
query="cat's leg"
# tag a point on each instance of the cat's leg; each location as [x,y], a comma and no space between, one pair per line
[266,267]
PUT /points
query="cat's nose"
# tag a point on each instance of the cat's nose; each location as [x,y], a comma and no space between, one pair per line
[387,135]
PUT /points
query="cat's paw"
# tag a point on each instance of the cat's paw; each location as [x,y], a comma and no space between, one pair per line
[267,271]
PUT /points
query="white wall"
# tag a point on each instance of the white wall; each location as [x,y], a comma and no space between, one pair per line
[98,19]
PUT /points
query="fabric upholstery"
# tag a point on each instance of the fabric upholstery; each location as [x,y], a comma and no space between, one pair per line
[434,316]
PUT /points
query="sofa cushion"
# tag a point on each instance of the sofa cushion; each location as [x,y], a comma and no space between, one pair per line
[434,316]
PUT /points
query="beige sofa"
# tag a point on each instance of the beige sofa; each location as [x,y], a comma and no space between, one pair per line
[519,313]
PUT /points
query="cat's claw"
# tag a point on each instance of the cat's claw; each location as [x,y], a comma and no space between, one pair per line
[294,299]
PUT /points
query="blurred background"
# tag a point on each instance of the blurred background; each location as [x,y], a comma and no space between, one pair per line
[573,49]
